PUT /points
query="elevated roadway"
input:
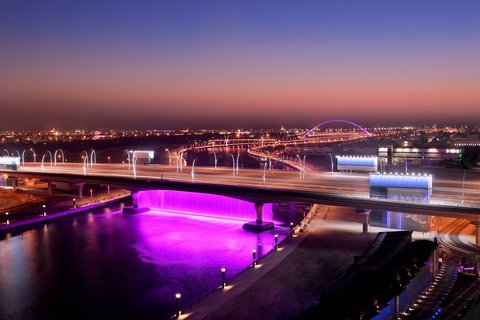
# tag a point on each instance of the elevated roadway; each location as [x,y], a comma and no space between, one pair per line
[324,188]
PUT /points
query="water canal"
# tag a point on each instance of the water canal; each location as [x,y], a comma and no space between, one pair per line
[106,265]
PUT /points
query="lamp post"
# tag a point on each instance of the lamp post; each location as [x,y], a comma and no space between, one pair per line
[233,163]
[85,162]
[134,164]
[128,158]
[51,158]
[193,170]
[44,210]
[43,158]
[224,283]
[331,162]
[62,156]
[34,155]
[74,204]
[23,157]
[254,258]
[300,165]
[264,169]
[304,165]
[91,193]
[181,161]
[276,242]
[169,158]
[238,157]
[215,155]
[93,157]
[178,296]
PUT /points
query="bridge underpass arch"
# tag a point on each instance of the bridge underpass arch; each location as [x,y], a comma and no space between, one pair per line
[210,205]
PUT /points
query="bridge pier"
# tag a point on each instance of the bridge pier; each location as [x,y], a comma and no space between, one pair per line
[477,232]
[258,225]
[366,219]
[14,183]
[259,210]
[80,190]
[134,208]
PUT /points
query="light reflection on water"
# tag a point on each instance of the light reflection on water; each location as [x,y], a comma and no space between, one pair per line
[109,265]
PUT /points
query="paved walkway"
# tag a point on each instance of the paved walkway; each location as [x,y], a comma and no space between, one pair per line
[289,281]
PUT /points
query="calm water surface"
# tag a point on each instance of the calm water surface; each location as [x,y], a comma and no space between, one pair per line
[107,265]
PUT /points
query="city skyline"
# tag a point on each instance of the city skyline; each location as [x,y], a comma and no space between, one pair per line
[165,65]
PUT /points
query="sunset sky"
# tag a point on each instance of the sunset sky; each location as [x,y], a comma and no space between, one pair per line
[172,64]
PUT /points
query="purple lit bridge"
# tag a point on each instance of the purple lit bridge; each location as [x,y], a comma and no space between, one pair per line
[281,186]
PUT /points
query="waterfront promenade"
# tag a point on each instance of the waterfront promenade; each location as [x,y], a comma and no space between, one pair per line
[289,281]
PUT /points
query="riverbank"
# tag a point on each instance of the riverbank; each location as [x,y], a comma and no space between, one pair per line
[291,280]
[64,209]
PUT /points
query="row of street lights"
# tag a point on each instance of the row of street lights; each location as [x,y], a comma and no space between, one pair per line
[53,159]
[223,284]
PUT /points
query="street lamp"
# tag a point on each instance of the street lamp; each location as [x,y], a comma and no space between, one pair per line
[300,165]
[23,157]
[34,155]
[169,158]
[181,161]
[178,296]
[134,166]
[215,155]
[62,156]
[43,158]
[264,169]
[331,162]
[85,162]
[51,158]
[224,283]
[254,258]
[193,170]
[238,157]
[93,157]
[304,165]
[233,163]
[44,210]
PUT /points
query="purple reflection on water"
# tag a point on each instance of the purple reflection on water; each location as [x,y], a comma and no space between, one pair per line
[201,204]
[113,266]
[190,250]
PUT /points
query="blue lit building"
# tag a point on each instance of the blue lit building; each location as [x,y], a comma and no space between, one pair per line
[357,164]
[408,187]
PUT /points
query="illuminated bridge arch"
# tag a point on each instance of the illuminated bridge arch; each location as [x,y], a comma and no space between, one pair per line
[337,120]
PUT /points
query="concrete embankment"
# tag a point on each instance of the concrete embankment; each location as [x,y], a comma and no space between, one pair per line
[52,216]
[292,279]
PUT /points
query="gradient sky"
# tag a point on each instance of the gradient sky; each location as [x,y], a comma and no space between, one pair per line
[171,64]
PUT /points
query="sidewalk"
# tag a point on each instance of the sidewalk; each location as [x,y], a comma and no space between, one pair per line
[287,282]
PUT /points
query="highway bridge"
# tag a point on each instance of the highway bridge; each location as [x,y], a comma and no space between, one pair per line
[326,188]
